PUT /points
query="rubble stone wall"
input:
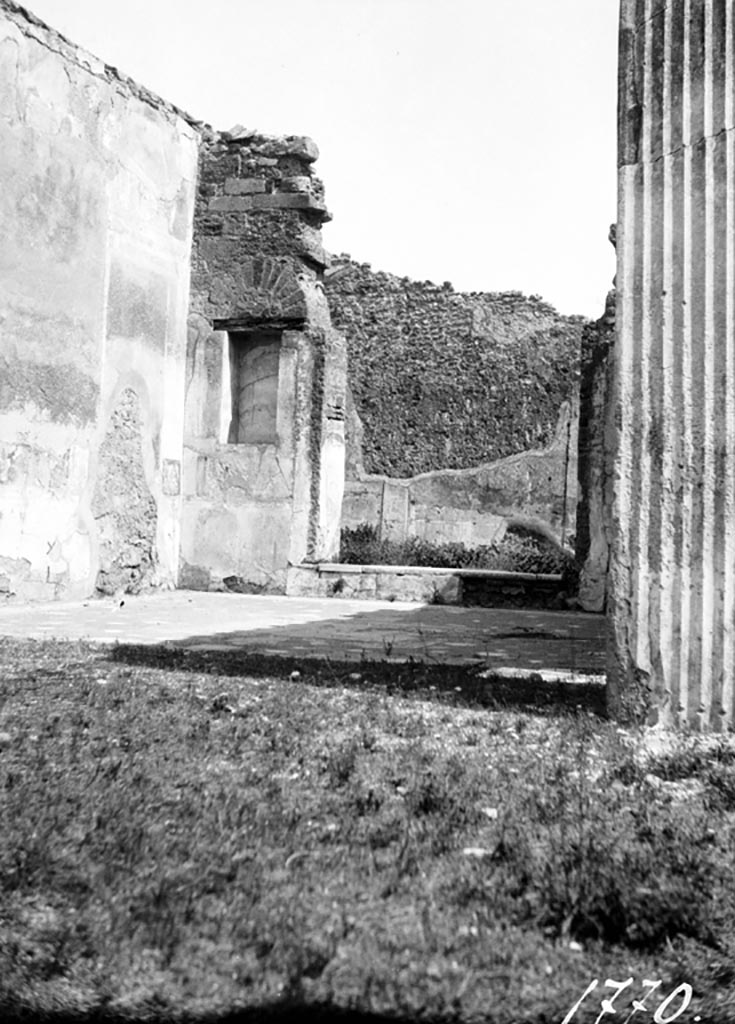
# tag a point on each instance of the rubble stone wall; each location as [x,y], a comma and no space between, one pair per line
[459,406]
[448,380]
[123,507]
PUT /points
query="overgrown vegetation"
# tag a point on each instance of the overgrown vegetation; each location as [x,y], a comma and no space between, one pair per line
[176,842]
[518,551]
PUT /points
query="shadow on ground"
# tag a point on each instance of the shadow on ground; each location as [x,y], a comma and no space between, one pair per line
[523,639]
[490,662]
[459,684]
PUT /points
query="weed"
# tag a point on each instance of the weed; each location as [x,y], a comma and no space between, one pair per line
[342,759]
[520,551]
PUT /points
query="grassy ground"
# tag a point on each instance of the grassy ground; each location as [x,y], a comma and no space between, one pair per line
[178,841]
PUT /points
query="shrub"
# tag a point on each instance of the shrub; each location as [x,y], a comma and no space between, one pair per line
[515,553]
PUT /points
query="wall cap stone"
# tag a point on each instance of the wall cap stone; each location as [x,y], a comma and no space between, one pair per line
[31,25]
[346,568]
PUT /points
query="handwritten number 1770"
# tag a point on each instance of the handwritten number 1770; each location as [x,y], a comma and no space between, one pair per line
[661,1016]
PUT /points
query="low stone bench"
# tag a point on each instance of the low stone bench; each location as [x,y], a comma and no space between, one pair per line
[425,584]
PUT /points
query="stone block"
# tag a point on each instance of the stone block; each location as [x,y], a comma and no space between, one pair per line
[303,147]
[311,245]
[239,134]
[286,201]
[305,581]
[298,183]
[351,585]
[231,204]
[391,586]
[244,186]
[210,226]
[447,590]
[298,146]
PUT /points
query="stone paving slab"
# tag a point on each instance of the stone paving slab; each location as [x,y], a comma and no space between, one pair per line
[555,645]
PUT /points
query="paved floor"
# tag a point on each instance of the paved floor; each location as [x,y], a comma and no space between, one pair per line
[554,644]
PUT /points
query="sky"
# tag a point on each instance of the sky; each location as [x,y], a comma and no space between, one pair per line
[470,141]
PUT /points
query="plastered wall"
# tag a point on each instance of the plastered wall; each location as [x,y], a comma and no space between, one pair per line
[596,431]
[473,506]
[96,206]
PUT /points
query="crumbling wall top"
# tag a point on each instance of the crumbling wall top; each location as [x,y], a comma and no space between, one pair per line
[447,380]
[31,25]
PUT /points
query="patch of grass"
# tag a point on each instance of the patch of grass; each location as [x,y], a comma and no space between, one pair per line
[176,842]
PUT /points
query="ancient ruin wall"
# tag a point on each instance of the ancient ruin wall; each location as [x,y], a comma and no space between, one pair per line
[459,413]
[672,570]
[474,506]
[448,380]
[98,181]
[260,497]
[595,444]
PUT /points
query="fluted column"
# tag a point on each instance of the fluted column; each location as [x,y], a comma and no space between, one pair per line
[673,562]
